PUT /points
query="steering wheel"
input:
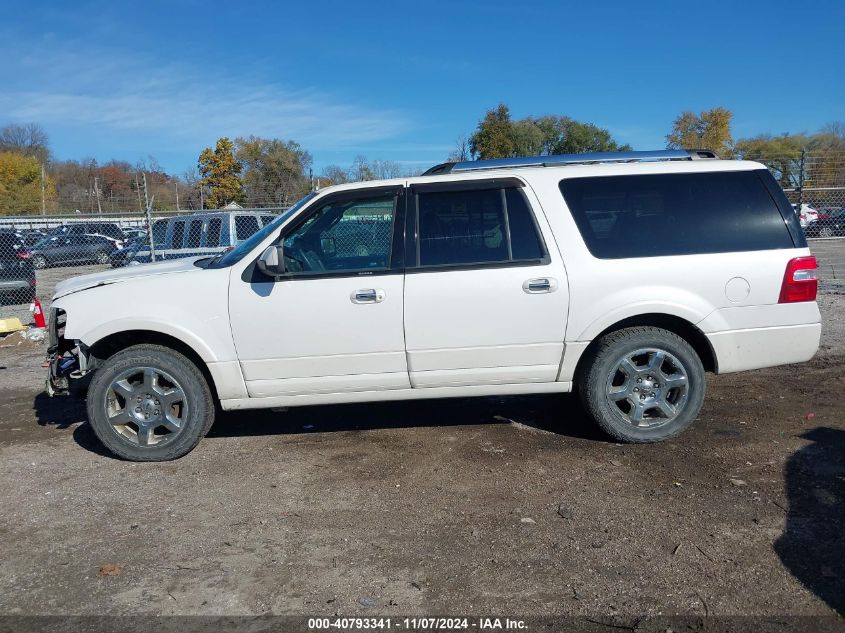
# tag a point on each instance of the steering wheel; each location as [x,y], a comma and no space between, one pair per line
[308,260]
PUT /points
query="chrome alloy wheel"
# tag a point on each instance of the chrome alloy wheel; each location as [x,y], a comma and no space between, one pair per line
[147,406]
[647,388]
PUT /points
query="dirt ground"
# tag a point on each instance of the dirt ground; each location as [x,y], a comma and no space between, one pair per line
[512,506]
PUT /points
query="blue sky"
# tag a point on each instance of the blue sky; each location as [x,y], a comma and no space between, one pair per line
[402,81]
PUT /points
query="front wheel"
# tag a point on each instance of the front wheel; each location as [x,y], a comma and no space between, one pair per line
[102,257]
[39,262]
[826,231]
[150,403]
[642,384]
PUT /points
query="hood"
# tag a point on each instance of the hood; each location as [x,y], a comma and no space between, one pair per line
[117,275]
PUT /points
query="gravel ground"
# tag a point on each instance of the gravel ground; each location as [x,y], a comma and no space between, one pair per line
[494,505]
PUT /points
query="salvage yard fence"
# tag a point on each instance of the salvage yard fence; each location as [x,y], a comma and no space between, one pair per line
[814,182]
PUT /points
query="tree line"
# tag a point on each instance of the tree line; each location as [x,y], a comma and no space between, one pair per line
[498,135]
[251,171]
[261,172]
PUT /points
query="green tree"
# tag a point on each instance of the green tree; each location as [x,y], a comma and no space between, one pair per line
[709,130]
[564,135]
[20,184]
[220,173]
[779,153]
[493,138]
[274,171]
[528,138]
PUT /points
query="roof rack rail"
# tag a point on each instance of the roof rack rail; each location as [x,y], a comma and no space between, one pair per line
[571,159]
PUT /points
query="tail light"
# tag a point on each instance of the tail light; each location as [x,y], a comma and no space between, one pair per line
[24,254]
[799,281]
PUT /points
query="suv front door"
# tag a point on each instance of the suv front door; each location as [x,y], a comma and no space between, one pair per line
[486,296]
[333,323]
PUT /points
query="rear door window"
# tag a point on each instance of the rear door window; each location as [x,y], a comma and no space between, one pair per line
[476,226]
[675,214]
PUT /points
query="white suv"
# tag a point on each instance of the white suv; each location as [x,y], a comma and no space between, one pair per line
[626,276]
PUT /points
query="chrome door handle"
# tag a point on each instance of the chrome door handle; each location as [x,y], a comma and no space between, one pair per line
[368,295]
[541,284]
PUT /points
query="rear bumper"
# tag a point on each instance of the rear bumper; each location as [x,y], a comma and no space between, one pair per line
[740,350]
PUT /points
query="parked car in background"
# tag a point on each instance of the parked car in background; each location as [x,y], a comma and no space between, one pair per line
[625,276]
[831,226]
[57,250]
[104,229]
[807,214]
[17,275]
[203,233]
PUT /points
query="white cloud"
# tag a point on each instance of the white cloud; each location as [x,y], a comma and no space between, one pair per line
[178,105]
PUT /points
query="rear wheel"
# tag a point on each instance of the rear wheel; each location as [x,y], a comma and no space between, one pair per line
[642,384]
[826,231]
[150,403]
[102,257]
[39,261]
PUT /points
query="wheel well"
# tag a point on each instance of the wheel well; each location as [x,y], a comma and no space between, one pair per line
[677,325]
[114,343]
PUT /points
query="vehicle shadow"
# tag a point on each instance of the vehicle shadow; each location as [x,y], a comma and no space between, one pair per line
[555,413]
[63,413]
[812,545]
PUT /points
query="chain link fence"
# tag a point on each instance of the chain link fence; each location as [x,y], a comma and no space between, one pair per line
[38,251]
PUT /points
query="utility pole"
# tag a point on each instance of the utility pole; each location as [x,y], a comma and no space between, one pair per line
[43,199]
[149,204]
[138,189]
[176,182]
[97,191]
[802,164]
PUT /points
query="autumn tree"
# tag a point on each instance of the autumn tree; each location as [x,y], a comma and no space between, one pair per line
[493,138]
[220,173]
[710,129]
[20,184]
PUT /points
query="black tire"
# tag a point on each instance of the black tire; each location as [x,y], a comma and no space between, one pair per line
[192,383]
[39,261]
[594,381]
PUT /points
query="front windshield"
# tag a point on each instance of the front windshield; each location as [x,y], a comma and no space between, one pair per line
[245,247]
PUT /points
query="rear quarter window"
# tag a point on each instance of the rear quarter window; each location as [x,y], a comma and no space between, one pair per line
[675,214]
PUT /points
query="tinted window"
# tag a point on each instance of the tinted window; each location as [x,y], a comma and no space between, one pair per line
[473,227]
[675,214]
[212,237]
[266,219]
[194,234]
[178,233]
[245,226]
[525,243]
[343,236]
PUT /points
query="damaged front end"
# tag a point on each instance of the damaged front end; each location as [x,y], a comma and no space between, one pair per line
[68,361]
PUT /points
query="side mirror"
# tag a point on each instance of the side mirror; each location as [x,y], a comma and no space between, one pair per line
[272,261]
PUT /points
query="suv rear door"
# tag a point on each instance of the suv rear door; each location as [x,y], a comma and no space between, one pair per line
[486,294]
